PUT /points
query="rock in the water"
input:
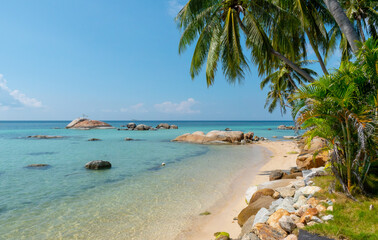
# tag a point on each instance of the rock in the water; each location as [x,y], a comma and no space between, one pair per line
[173,126]
[261,216]
[266,232]
[98,164]
[261,192]
[38,166]
[44,137]
[94,139]
[84,123]
[253,208]
[142,127]
[163,126]
[228,129]
[287,223]
[128,139]
[249,136]
[131,125]
[276,175]
[212,137]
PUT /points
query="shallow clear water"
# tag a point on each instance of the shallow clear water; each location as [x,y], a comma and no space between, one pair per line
[136,198]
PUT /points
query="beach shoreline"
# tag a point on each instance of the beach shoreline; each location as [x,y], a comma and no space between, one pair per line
[277,155]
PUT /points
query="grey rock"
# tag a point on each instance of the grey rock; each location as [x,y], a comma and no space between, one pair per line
[173,126]
[316,219]
[286,203]
[287,224]
[302,200]
[131,125]
[44,137]
[98,164]
[309,190]
[262,216]
[275,175]
[163,126]
[327,217]
[297,194]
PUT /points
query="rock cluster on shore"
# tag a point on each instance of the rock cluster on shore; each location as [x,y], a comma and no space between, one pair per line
[312,155]
[218,137]
[86,124]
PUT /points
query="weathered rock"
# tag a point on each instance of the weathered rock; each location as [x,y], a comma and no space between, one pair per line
[276,175]
[284,127]
[302,210]
[276,216]
[287,223]
[306,159]
[306,217]
[327,217]
[212,137]
[98,164]
[291,237]
[84,123]
[282,203]
[249,193]
[163,126]
[247,226]
[249,136]
[295,218]
[316,219]
[44,137]
[261,192]
[266,232]
[286,191]
[131,125]
[302,200]
[173,126]
[294,170]
[94,139]
[253,208]
[250,236]
[298,184]
[142,127]
[292,175]
[313,202]
[309,190]
[276,195]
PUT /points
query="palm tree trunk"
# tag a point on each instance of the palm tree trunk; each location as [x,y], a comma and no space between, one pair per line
[316,50]
[280,56]
[293,83]
[292,65]
[361,29]
[342,20]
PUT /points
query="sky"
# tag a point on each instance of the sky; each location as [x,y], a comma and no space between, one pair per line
[111,60]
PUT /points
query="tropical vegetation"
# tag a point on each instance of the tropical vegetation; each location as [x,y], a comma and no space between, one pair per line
[275,35]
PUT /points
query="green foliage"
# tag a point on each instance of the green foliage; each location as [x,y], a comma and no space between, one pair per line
[341,107]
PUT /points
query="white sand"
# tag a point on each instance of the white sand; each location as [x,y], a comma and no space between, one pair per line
[223,213]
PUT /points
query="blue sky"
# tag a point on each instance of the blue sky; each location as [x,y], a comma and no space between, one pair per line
[110,60]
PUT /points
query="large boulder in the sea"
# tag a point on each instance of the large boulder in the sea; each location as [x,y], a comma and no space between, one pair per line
[249,136]
[98,164]
[313,155]
[173,126]
[142,127]
[131,125]
[163,126]
[84,123]
[253,208]
[212,137]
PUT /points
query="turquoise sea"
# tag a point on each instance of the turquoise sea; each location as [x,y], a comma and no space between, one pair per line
[135,199]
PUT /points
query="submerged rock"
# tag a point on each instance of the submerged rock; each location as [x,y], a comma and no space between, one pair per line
[98,164]
[128,139]
[44,137]
[94,139]
[39,165]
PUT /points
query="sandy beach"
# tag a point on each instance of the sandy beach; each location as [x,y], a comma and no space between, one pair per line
[278,155]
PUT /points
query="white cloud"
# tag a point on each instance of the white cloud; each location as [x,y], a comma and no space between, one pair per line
[137,108]
[174,7]
[184,107]
[17,96]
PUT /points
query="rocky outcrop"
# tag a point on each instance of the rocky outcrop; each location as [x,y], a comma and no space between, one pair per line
[284,127]
[142,127]
[86,124]
[217,137]
[313,155]
[98,164]
[131,125]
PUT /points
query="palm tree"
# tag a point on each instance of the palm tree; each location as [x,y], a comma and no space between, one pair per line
[340,107]
[343,22]
[283,83]
[217,25]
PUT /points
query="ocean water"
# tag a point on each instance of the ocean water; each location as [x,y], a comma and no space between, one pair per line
[136,199]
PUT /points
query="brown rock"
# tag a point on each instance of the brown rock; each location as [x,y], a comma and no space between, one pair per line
[261,192]
[275,217]
[294,170]
[266,232]
[321,208]
[313,202]
[292,175]
[276,175]
[83,123]
[212,137]
[98,164]
[306,217]
[307,161]
[253,208]
[249,136]
[291,237]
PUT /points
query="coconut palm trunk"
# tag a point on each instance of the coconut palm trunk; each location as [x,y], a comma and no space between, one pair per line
[316,50]
[342,20]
